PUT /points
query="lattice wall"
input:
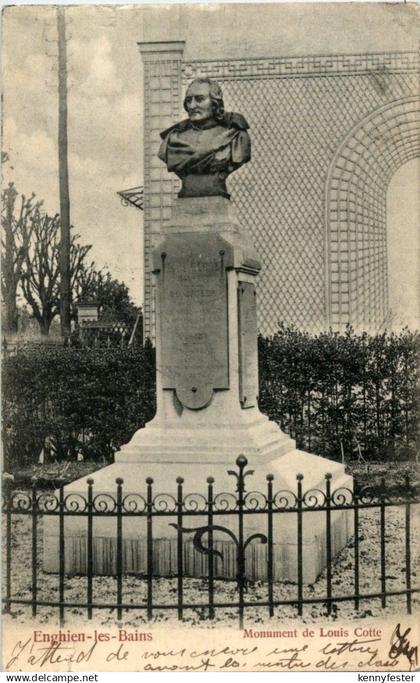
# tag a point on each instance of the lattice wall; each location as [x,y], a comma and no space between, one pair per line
[300,112]
[356,211]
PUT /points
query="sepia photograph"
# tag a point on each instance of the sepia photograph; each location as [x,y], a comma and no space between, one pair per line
[210,279]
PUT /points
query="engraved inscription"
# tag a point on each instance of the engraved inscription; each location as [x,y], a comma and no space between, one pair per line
[248,349]
[193,315]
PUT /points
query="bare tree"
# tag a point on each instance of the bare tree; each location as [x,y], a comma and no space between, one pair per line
[41,280]
[18,217]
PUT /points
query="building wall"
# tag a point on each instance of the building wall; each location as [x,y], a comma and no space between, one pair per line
[314,193]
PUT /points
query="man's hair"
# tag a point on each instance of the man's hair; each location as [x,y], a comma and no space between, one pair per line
[216,96]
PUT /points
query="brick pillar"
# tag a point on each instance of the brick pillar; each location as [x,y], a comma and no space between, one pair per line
[162,107]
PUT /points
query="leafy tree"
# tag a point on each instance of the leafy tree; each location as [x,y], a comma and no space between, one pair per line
[112,296]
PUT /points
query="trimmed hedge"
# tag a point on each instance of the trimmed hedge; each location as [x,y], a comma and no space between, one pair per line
[89,401]
[334,393]
[343,394]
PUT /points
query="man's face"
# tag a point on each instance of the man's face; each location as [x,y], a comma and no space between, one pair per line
[198,102]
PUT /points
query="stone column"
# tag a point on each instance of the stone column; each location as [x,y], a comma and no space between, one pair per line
[206,345]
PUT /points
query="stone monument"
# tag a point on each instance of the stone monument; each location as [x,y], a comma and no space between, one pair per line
[207,414]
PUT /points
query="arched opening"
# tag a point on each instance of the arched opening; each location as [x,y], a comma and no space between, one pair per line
[403,242]
[356,214]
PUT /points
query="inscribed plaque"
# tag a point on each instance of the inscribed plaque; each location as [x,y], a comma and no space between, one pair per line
[193,315]
[248,350]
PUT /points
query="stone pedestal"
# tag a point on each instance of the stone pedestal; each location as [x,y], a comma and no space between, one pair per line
[206,346]
[207,413]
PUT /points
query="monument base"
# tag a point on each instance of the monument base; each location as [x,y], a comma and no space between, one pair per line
[195,564]
[214,436]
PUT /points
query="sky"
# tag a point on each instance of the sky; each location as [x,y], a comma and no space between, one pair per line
[105,94]
[104,124]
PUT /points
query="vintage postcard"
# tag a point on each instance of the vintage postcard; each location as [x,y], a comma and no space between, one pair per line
[210,314]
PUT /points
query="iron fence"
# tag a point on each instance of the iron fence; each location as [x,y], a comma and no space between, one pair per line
[180,510]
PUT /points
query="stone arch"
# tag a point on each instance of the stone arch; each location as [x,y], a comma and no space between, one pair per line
[356,189]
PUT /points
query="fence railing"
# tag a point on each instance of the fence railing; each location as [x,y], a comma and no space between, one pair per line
[180,510]
[101,334]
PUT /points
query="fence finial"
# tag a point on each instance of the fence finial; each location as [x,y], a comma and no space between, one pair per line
[241,461]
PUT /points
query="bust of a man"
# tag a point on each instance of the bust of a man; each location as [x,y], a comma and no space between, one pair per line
[205,148]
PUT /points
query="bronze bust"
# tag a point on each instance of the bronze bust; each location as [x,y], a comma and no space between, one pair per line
[205,148]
